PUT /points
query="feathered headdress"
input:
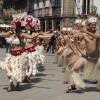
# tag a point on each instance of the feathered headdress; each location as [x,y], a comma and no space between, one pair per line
[16,21]
[29,20]
[78,21]
[91,20]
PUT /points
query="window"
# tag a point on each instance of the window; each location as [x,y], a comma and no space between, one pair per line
[57,2]
[56,11]
[46,11]
[86,6]
[40,12]
[40,4]
[47,2]
[34,13]
[35,4]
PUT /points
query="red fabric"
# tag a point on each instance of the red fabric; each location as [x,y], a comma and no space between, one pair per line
[29,21]
[31,49]
[18,23]
[17,52]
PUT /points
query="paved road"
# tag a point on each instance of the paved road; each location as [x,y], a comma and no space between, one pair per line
[47,85]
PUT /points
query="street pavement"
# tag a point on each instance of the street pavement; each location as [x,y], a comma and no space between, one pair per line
[47,85]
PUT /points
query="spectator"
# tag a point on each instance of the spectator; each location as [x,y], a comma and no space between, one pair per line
[52,42]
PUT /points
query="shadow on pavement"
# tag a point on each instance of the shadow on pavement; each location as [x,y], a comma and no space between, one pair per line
[41,74]
[22,87]
[36,80]
[42,87]
[88,89]
[26,87]
[41,68]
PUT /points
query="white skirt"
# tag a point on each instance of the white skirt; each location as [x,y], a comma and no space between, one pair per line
[40,55]
[31,64]
[15,67]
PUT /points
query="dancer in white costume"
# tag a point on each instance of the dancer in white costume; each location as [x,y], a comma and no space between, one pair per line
[15,61]
[34,50]
[30,48]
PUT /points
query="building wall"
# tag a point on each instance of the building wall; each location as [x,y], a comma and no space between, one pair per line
[96,4]
[48,12]
[52,14]
[93,4]
[1,11]
[13,7]
[68,7]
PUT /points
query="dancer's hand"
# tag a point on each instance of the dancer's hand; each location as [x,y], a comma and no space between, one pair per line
[84,56]
[83,30]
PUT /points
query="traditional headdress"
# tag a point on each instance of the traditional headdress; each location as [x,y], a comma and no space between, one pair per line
[16,21]
[64,29]
[29,20]
[69,29]
[91,20]
[78,21]
[83,23]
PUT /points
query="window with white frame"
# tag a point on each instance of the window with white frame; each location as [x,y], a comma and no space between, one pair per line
[35,4]
[47,3]
[40,3]
[34,13]
[47,11]
[40,12]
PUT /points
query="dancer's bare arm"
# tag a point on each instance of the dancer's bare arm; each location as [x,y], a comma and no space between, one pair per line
[4,34]
[96,36]
[46,36]
[71,45]
[27,36]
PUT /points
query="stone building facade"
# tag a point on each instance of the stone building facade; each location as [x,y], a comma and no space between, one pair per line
[53,14]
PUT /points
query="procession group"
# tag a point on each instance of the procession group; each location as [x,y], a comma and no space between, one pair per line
[78,53]
[26,51]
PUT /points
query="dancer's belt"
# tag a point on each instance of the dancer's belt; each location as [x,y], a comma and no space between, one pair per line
[31,49]
[17,52]
[95,57]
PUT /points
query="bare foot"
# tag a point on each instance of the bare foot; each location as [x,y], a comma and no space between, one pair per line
[11,88]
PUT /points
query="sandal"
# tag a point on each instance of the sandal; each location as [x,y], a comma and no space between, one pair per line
[68,90]
[11,88]
[65,82]
[17,88]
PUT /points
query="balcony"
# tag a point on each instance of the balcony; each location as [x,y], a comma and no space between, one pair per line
[56,11]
